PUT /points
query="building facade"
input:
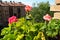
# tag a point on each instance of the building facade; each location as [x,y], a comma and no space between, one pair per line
[56,9]
[8,9]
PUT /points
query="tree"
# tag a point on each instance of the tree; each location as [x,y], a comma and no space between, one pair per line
[39,11]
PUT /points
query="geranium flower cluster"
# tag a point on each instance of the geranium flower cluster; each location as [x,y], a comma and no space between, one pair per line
[12,19]
[28,8]
[47,17]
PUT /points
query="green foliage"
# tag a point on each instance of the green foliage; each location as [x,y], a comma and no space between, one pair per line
[53,28]
[27,30]
[40,36]
[21,30]
[5,31]
[39,11]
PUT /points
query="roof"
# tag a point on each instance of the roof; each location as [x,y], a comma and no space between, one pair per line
[11,3]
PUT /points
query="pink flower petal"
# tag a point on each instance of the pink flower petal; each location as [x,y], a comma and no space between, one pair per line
[47,17]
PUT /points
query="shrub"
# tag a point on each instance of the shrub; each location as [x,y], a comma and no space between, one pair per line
[23,30]
[27,30]
[40,10]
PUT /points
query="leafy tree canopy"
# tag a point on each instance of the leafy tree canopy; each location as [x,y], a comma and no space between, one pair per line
[40,10]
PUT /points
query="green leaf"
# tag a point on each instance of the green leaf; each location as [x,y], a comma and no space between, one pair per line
[19,37]
[28,37]
[40,36]
[5,31]
[32,28]
[9,37]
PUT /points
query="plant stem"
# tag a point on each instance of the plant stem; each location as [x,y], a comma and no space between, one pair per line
[9,28]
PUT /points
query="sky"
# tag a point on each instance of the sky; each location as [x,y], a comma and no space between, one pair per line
[30,2]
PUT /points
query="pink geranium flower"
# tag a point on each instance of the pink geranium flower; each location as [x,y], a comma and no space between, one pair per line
[28,8]
[12,19]
[47,17]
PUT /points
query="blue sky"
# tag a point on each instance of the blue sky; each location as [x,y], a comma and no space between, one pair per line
[30,2]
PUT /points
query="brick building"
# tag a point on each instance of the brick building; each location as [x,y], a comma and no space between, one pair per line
[56,9]
[8,9]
